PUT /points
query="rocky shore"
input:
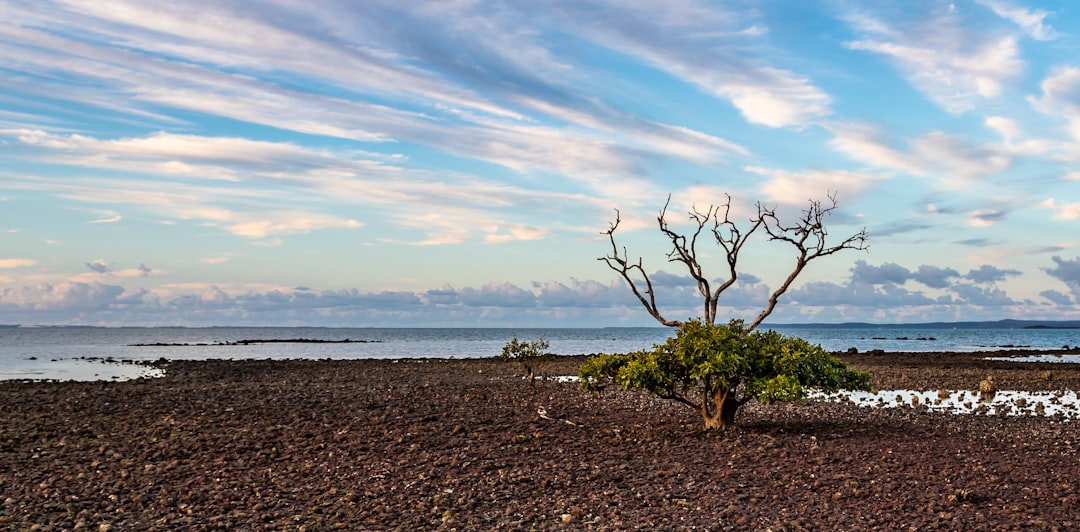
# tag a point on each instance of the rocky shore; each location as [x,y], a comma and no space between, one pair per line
[468,445]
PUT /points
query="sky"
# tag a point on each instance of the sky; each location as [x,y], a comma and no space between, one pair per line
[454,163]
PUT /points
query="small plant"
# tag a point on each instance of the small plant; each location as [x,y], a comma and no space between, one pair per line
[528,353]
[987,389]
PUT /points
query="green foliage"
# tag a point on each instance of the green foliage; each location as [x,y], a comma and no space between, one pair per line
[717,368]
[525,352]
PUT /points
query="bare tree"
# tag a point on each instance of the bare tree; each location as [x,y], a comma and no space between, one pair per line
[807,235]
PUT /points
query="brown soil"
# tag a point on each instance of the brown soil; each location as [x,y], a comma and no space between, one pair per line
[462,444]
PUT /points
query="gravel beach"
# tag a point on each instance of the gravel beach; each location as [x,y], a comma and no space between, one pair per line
[469,445]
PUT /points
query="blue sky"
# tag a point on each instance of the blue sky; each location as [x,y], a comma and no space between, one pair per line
[453,163]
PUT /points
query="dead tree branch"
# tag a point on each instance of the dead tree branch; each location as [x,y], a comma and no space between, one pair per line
[807,236]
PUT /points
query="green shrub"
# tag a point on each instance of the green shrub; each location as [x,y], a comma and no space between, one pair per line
[715,369]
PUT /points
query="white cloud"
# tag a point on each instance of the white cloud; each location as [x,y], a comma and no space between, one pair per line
[1069,211]
[779,98]
[943,58]
[106,217]
[1061,97]
[515,233]
[702,45]
[865,143]
[796,188]
[1031,21]
[289,223]
[16,263]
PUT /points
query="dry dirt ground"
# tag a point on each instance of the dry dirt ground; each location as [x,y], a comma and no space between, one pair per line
[468,445]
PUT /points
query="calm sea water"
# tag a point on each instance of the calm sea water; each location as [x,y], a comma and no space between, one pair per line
[82,353]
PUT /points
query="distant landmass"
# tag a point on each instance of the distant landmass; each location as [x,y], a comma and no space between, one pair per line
[1000,324]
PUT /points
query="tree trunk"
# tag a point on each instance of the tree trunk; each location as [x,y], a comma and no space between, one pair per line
[722,414]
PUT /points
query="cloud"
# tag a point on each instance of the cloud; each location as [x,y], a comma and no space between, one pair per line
[989,274]
[985,296]
[881,286]
[16,263]
[1061,97]
[102,267]
[289,223]
[788,187]
[107,217]
[934,276]
[1070,211]
[1068,272]
[856,294]
[428,95]
[873,291]
[452,207]
[899,228]
[586,294]
[442,296]
[66,296]
[953,161]
[888,273]
[986,217]
[141,270]
[701,46]
[497,295]
[941,56]
[98,266]
[1056,297]
[1031,21]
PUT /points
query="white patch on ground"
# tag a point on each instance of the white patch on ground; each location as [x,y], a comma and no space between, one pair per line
[1063,403]
[1063,359]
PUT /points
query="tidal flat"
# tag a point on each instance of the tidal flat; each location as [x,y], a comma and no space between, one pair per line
[467,444]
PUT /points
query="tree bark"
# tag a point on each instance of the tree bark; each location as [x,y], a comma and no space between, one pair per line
[721,414]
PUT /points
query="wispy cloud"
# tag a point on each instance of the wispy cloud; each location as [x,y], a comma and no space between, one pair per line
[1032,21]
[952,161]
[941,56]
[792,188]
[106,217]
[306,178]
[187,60]
[1061,98]
[702,45]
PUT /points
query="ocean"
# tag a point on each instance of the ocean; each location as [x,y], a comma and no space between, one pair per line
[89,353]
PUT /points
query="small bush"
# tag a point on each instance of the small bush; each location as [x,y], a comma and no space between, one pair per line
[527,353]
